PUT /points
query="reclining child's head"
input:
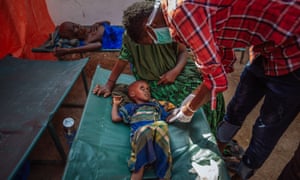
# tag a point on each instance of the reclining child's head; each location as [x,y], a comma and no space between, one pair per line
[70,30]
[139,92]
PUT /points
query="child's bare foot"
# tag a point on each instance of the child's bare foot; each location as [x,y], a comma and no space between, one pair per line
[137,175]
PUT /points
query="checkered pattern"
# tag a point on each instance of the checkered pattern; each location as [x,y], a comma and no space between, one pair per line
[211,28]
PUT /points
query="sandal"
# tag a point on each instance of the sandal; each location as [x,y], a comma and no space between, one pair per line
[232,163]
[232,155]
[233,149]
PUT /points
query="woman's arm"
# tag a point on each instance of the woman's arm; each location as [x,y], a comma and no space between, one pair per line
[181,58]
[115,73]
[170,76]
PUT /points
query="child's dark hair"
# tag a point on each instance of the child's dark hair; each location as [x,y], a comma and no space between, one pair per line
[134,18]
[64,29]
[132,85]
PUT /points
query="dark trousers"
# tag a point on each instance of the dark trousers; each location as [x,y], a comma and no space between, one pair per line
[280,106]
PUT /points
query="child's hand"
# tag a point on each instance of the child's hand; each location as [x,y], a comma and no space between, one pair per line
[117,100]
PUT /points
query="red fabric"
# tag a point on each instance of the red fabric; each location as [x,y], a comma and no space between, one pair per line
[24,25]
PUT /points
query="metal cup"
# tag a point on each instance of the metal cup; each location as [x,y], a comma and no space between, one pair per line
[69,126]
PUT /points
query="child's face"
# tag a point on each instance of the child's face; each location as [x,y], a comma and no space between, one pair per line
[72,30]
[141,92]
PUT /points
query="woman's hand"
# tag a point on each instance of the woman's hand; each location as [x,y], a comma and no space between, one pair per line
[168,78]
[102,90]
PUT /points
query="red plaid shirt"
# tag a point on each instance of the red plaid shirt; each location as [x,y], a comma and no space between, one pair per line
[212,28]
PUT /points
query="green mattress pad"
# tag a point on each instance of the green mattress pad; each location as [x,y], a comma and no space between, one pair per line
[101,148]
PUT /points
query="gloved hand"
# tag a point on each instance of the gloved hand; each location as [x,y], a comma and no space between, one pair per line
[178,115]
[187,99]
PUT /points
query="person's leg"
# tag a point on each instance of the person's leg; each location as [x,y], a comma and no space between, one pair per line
[248,93]
[281,106]
[292,170]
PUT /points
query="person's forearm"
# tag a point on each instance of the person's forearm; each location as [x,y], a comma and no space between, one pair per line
[202,96]
[181,62]
[116,71]
[181,59]
[114,114]
[86,48]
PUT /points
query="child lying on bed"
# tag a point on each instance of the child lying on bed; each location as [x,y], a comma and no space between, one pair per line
[98,36]
[149,132]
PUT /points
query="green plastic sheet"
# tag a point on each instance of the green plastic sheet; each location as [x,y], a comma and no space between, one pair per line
[101,148]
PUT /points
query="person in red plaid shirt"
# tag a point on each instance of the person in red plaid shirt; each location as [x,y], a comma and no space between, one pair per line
[212,29]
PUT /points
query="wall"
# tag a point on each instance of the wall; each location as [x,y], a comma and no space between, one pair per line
[87,11]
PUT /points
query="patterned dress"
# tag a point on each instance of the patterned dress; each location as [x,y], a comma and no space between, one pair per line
[149,137]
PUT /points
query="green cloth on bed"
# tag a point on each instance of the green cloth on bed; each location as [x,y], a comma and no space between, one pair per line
[101,148]
[149,62]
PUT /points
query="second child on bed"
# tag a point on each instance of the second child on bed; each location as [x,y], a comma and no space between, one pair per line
[100,35]
[149,136]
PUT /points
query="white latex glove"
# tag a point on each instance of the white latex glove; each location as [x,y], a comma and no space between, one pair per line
[178,115]
[187,99]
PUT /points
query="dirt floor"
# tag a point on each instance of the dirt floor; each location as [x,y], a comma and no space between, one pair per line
[45,149]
